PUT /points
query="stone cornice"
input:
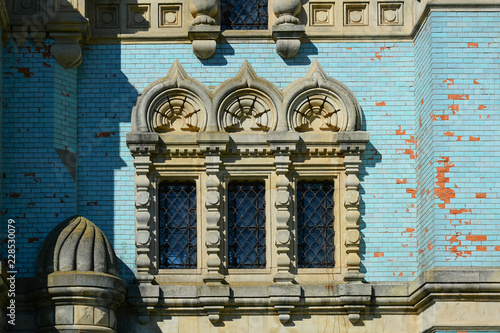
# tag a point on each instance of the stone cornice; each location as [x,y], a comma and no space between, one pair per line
[433,286]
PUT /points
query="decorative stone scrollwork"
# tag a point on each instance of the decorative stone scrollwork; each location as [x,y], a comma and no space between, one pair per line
[247,110]
[318,111]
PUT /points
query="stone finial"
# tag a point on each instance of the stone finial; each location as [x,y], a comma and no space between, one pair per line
[77,244]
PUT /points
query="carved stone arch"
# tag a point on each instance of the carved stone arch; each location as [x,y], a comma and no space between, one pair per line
[319,102]
[247,103]
[176,102]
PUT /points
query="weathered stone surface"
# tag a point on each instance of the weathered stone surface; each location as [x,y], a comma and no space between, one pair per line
[76,244]
[77,287]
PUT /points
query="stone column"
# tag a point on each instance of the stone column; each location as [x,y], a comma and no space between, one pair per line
[352,145]
[212,145]
[141,146]
[283,144]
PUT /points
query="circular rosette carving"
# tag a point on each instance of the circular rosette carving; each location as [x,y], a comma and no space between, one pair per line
[247,110]
[317,110]
[176,110]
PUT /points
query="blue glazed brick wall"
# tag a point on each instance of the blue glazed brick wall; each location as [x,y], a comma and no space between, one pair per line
[65,108]
[459,114]
[428,185]
[424,148]
[38,191]
[112,76]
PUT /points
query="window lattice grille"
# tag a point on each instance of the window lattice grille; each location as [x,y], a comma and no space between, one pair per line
[246,225]
[315,224]
[177,202]
[244,14]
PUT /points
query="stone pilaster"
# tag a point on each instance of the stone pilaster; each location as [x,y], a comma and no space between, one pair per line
[283,144]
[212,145]
[141,146]
[352,145]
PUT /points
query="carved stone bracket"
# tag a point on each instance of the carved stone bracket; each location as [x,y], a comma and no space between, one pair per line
[352,145]
[141,146]
[287,30]
[283,144]
[144,298]
[284,298]
[212,145]
[213,298]
[203,31]
[68,29]
[355,298]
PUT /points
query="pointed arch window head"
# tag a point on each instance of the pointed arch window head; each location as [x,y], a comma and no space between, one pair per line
[244,14]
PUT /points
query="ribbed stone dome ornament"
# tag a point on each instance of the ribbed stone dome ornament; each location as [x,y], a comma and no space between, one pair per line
[78,288]
[77,245]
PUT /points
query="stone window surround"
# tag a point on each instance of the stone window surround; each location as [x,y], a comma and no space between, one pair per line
[210,150]
[250,275]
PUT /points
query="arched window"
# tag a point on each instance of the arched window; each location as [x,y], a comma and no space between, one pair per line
[247,181]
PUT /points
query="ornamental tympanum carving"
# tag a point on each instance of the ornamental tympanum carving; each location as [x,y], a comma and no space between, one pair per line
[316,111]
[177,111]
[246,110]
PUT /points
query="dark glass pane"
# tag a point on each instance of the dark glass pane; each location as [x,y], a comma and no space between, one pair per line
[177,202]
[315,224]
[246,225]
[244,14]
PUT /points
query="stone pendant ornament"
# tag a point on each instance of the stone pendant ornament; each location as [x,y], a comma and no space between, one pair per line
[204,30]
[287,30]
